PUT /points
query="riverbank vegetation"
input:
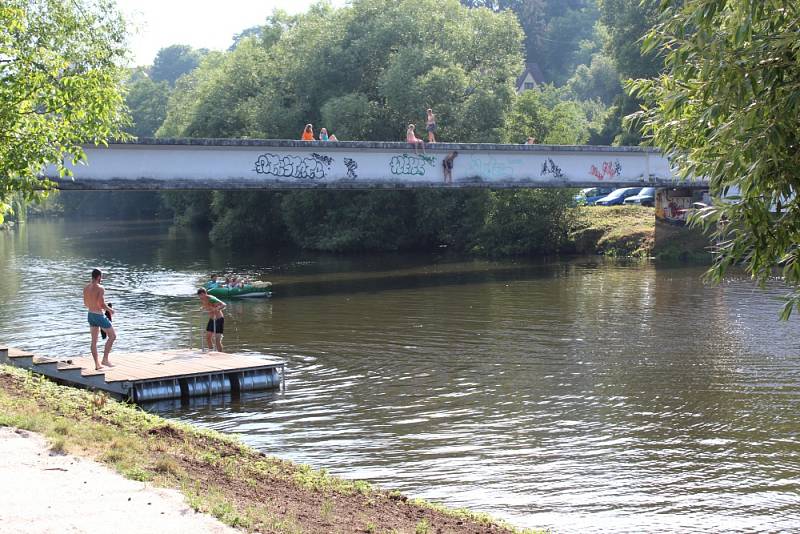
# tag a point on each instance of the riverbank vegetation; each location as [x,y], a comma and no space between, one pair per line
[726,108]
[218,475]
[61,87]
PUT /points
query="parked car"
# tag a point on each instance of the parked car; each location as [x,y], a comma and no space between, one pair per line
[590,195]
[618,196]
[646,197]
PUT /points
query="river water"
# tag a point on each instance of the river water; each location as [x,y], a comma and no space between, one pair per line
[582,395]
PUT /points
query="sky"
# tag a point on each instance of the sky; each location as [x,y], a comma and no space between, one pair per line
[156,24]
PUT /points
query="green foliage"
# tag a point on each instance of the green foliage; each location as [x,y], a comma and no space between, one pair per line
[600,80]
[559,34]
[147,102]
[627,22]
[726,109]
[350,220]
[376,66]
[525,222]
[59,87]
[191,208]
[544,115]
[174,61]
[247,217]
[453,218]
[357,118]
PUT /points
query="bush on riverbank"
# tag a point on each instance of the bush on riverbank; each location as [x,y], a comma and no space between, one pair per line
[219,475]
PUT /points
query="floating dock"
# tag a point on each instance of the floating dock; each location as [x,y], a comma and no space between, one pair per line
[157,375]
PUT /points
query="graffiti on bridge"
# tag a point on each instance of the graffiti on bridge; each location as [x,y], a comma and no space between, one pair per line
[549,168]
[609,169]
[351,165]
[491,167]
[312,168]
[414,165]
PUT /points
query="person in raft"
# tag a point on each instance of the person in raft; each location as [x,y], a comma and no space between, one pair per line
[308,133]
[216,321]
[94,300]
[412,138]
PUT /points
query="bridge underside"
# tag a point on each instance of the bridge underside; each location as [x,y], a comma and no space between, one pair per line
[227,164]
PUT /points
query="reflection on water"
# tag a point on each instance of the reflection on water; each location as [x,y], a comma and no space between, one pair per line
[583,395]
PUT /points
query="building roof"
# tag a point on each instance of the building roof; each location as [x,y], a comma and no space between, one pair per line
[534,70]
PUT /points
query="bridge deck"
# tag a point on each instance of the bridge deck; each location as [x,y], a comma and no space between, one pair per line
[242,164]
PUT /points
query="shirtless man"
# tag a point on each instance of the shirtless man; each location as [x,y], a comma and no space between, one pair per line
[94,299]
[216,321]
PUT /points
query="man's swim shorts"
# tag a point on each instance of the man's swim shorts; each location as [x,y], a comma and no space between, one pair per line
[216,326]
[99,320]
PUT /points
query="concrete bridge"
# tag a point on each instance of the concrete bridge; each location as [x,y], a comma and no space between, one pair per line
[235,164]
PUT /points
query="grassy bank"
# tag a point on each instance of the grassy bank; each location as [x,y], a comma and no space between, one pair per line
[219,475]
[613,231]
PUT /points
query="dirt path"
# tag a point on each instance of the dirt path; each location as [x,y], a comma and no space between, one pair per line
[44,492]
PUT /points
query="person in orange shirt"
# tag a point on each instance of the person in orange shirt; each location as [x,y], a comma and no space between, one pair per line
[308,133]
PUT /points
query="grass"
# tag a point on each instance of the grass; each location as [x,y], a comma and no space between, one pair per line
[218,474]
[632,232]
[627,231]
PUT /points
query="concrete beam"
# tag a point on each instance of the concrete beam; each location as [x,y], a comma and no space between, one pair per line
[242,164]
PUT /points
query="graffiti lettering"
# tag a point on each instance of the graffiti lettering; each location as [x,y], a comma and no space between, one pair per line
[549,168]
[325,160]
[312,168]
[609,169]
[414,165]
[351,167]
[491,168]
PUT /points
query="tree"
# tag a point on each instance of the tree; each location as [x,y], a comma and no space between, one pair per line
[627,22]
[174,61]
[59,87]
[547,116]
[726,109]
[147,102]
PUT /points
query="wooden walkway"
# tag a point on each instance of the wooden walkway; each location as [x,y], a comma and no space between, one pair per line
[156,375]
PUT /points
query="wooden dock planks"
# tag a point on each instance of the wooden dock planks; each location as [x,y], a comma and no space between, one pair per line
[151,365]
[135,370]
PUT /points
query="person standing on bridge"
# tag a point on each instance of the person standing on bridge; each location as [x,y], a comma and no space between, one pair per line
[430,125]
[94,300]
[216,320]
[308,133]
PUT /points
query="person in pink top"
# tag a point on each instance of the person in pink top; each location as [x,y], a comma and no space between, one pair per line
[413,139]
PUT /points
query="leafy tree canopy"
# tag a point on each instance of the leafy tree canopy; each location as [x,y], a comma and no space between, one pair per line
[726,109]
[59,86]
[174,61]
[376,65]
[147,102]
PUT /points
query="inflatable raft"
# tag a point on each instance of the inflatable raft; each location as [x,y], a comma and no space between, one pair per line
[255,290]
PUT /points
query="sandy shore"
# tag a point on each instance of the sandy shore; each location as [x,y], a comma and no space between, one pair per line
[44,492]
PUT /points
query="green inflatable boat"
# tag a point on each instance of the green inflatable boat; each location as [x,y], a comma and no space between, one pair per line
[255,290]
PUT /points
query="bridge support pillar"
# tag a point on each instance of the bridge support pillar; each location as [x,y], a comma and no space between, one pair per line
[673,238]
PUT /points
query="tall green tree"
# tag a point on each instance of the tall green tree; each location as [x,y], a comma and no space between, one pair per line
[147,102]
[726,109]
[59,87]
[174,61]
[559,34]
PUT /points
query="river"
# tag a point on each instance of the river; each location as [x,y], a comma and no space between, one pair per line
[585,395]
